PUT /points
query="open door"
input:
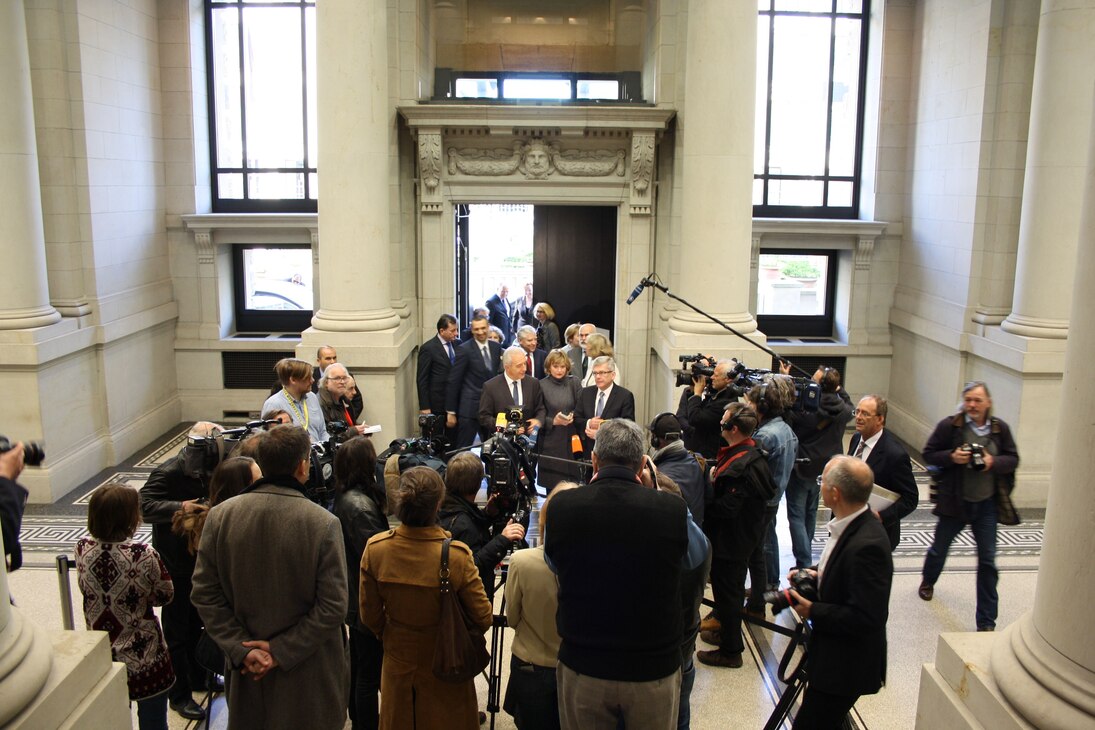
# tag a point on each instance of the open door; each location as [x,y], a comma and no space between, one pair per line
[574,263]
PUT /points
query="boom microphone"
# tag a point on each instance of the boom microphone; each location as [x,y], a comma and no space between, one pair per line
[639,289]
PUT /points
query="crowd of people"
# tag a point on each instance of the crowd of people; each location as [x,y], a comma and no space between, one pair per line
[323,611]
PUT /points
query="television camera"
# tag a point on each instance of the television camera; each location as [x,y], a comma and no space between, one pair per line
[510,459]
[742,379]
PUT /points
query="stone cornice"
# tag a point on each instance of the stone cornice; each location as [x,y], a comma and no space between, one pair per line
[535,120]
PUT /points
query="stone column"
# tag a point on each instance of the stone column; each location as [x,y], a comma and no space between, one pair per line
[25,658]
[355,121]
[24,298]
[1044,664]
[1060,117]
[716,124]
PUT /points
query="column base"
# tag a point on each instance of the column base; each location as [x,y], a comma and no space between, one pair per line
[692,323]
[1050,329]
[24,319]
[25,663]
[372,320]
[1046,687]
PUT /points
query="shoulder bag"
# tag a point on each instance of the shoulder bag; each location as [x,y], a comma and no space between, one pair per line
[461,649]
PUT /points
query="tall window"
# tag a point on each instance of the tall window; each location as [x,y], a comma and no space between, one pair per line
[811,69]
[262,92]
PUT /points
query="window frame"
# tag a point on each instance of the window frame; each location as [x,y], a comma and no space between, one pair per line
[306,204]
[767,210]
[264,321]
[629,91]
[804,325]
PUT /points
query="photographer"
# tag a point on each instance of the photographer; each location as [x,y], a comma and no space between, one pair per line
[701,408]
[978,459]
[847,647]
[13,499]
[735,524]
[181,484]
[820,436]
[488,536]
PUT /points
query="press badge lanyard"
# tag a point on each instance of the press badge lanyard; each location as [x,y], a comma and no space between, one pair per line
[292,404]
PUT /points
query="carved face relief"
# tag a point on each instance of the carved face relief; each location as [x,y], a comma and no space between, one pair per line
[536,160]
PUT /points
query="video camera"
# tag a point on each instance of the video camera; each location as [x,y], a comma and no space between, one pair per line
[691,368]
[33,452]
[510,460]
[743,379]
[320,486]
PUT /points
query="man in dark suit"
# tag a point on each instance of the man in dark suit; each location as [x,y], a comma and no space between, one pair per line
[888,460]
[435,360]
[502,313]
[526,340]
[465,334]
[602,401]
[578,360]
[477,361]
[847,647]
[499,391]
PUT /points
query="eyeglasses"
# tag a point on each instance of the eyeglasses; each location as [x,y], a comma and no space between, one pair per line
[604,372]
[339,379]
[865,414]
[819,480]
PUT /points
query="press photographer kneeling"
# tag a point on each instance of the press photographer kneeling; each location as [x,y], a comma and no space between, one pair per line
[847,647]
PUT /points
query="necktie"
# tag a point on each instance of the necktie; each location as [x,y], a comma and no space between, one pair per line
[859,450]
[486,357]
[452,355]
[516,395]
[585,366]
[528,360]
[600,405]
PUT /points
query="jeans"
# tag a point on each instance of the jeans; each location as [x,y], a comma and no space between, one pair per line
[802,497]
[981,517]
[688,679]
[532,696]
[152,712]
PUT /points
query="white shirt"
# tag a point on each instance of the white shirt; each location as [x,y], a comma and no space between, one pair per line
[836,529]
[608,394]
[869,444]
[520,392]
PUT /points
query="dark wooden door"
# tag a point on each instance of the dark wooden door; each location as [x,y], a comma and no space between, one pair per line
[574,263]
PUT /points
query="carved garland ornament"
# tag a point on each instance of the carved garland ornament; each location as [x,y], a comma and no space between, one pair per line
[536,160]
[642,162]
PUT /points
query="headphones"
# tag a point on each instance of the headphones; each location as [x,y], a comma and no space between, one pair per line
[670,435]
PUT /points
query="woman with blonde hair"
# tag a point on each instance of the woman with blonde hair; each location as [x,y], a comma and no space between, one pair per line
[547,332]
[560,390]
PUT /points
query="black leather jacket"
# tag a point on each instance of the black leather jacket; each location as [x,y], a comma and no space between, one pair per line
[168,486]
[361,518]
[471,526]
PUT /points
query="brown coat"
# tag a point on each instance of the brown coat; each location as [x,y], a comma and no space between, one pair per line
[401,603]
[271,565]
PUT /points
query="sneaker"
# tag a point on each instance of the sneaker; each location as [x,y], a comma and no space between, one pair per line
[189,709]
[711,637]
[926,591]
[716,658]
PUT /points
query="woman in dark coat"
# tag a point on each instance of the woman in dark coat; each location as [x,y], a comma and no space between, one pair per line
[547,331]
[401,603]
[361,508]
[560,390]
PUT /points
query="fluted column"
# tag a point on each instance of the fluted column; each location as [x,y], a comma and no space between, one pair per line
[25,657]
[355,121]
[24,298]
[1045,662]
[716,122]
[1060,116]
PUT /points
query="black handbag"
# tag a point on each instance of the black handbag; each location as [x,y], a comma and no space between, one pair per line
[461,649]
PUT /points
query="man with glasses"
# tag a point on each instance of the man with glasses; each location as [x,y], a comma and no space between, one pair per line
[335,401]
[977,458]
[602,400]
[888,460]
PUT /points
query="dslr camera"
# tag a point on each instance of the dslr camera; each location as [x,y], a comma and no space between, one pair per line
[977,456]
[802,581]
[33,452]
[692,366]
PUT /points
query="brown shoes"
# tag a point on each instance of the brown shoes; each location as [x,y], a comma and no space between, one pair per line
[710,622]
[716,658]
[926,591]
[711,637]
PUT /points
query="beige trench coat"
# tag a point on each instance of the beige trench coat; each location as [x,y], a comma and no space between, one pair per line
[401,603]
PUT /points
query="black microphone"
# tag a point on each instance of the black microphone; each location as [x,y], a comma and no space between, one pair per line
[638,290]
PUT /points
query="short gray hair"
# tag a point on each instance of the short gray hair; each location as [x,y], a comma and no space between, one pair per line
[620,443]
[327,373]
[603,360]
[851,477]
[513,353]
[526,331]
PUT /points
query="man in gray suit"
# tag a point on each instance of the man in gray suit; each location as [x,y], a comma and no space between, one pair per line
[270,585]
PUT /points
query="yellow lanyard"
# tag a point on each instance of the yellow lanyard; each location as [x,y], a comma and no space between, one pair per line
[292,404]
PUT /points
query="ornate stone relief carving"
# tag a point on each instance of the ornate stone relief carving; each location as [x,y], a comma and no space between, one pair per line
[642,173]
[536,160]
[864,249]
[315,245]
[429,161]
[203,239]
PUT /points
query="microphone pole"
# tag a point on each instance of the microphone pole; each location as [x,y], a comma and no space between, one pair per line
[655,282]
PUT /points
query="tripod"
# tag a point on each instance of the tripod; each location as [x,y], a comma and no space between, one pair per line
[497,635]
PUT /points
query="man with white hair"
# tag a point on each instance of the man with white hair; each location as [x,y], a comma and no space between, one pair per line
[334,400]
[513,388]
[182,484]
[602,400]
